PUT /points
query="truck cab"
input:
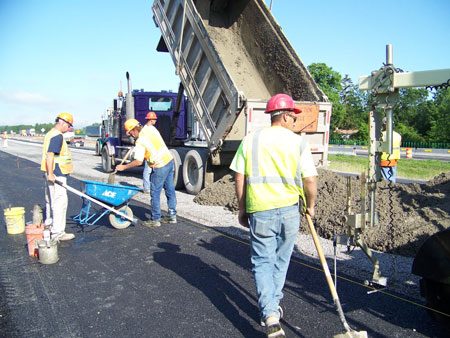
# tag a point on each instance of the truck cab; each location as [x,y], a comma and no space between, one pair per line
[114,141]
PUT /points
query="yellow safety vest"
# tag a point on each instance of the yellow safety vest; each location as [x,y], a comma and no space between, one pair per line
[390,160]
[156,152]
[64,159]
[273,169]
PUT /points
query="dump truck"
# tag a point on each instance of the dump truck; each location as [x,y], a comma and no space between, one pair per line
[231,57]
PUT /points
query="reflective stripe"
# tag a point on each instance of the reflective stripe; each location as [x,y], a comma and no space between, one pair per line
[257,179]
[255,157]
[271,180]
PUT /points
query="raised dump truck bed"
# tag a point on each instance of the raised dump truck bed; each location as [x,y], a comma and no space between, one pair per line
[231,57]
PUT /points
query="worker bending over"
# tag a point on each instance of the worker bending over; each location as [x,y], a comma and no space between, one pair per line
[275,182]
[57,164]
[151,147]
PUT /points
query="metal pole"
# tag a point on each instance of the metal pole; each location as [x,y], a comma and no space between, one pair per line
[389,55]
[270,7]
[389,112]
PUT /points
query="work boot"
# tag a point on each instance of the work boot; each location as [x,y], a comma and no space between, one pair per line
[280,313]
[273,327]
[65,237]
[169,219]
[151,224]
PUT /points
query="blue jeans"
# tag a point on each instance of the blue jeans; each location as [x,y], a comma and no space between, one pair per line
[389,173]
[273,234]
[146,176]
[162,178]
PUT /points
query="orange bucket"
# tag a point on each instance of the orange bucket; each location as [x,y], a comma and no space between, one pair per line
[34,233]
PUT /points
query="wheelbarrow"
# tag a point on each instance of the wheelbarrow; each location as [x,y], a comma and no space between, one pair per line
[113,200]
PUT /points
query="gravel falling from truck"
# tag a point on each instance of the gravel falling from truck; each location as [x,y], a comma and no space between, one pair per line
[255,51]
[409,213]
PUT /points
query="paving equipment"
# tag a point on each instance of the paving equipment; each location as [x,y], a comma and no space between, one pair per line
[433,260]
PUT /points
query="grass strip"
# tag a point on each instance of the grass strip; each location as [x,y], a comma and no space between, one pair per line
[407,168]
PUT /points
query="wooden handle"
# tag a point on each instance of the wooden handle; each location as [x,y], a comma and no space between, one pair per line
[322,258]
[115,171]
[126,155]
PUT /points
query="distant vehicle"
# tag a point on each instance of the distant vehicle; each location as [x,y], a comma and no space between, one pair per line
[31,132]
[77,141]
[93,131]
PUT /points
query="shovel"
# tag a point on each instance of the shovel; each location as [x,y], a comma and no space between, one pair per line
[350,333]
[112,176]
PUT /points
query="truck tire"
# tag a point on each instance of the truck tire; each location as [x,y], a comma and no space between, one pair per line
[178,175]
[98,150]
[194,171]
[106,160]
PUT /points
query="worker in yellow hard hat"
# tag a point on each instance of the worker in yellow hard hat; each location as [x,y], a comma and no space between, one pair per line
[151,121]
[57,164]
[150,147]
[275,183]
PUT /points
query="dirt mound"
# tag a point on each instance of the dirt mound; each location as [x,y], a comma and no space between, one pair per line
[408,213]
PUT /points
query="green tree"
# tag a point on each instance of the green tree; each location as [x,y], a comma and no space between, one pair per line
[355,104]
[330,82]
[413,109]
[439,129]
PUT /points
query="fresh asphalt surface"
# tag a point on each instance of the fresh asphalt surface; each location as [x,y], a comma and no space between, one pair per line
[179,280]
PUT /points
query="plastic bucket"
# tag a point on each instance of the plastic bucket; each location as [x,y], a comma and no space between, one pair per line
[15,220]
[34,233]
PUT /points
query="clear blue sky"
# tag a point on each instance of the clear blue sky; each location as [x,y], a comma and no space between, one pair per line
[72,55]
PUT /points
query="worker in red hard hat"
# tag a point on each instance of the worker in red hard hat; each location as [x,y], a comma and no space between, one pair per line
[275,183]
[150,147]
[57,164]
[151,121]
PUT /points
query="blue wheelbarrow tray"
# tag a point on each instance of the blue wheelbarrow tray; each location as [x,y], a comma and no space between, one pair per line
[113,199]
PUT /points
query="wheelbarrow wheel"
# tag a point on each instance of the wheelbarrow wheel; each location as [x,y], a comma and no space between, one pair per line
[119,222]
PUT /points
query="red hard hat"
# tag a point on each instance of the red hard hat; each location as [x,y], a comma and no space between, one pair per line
[151,116]
[281,102]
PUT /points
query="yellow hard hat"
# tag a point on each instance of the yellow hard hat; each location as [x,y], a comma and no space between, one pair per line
[130,125]
[66,117]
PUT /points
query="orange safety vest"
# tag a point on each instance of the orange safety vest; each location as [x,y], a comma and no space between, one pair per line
[64,159]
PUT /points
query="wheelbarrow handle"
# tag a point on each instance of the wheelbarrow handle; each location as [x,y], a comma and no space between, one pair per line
[81,194]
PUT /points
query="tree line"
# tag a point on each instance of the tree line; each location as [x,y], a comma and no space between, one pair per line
[420,115]
[38,128]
